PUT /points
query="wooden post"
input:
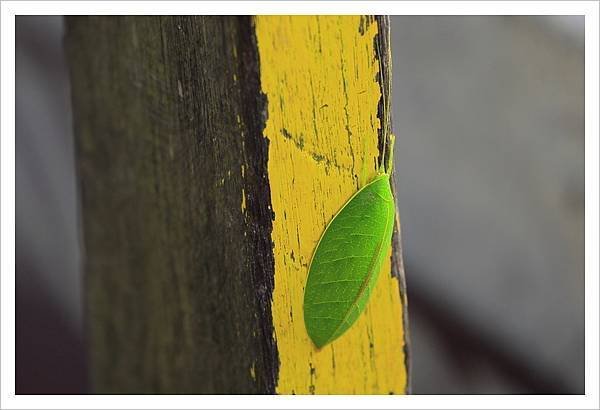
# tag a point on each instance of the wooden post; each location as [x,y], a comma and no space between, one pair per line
[211,153]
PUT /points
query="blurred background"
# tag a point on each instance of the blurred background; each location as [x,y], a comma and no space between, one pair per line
[489,119]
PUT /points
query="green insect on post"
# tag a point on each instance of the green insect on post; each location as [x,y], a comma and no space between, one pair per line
[347,260]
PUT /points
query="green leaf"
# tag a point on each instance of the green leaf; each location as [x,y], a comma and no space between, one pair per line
[347,261]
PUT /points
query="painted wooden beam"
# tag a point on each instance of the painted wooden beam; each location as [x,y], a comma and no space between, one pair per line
[324,81]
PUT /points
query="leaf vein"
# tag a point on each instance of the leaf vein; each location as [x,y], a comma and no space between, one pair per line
[346,257]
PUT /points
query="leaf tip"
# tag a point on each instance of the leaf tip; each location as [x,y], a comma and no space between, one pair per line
[316,339]
[319,344]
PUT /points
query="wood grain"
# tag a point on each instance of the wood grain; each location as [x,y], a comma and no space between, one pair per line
[168,121]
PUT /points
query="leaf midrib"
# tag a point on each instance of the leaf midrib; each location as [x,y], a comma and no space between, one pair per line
[365,282]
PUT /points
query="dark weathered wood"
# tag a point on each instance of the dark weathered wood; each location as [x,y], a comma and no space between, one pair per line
[383,47]
[168,118]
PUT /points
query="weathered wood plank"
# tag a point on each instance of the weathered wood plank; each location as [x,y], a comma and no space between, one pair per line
[327,82]
[168,119]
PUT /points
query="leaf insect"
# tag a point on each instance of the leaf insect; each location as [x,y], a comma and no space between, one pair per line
[348,257]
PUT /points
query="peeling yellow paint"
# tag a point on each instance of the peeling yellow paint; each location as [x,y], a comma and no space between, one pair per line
[320,78]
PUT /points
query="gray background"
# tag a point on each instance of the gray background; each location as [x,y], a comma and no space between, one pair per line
[489,119]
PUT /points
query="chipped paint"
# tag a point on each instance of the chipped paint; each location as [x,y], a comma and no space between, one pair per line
[320,77]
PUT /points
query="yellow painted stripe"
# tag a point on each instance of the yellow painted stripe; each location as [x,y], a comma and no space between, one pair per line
[320,78]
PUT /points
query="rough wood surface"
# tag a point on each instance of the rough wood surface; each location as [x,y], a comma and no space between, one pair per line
[211,153]
[168,120]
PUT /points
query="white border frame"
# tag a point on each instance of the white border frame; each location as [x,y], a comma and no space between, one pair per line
[11,8]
